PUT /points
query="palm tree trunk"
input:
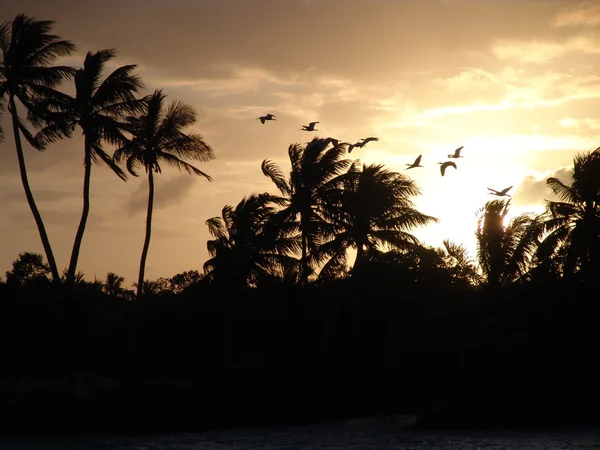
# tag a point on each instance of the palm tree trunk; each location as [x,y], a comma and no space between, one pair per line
[29,195]
[304,279]
[84,215]
[140,283]
[360,256]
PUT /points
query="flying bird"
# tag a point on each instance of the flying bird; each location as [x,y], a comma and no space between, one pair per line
[417,163]
[333,141]
[267,117]
[309,127]
[456,153]
[360,144]
[446,164]
[369,139]
[502,193]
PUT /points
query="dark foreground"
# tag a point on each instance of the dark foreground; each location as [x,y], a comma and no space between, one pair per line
[191,362]
[384,433]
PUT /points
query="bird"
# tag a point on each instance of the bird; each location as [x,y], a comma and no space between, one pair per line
[417,163]
[267,117]
[333,141]
[502,193]
[446,164]
[351,146]
[369,139]
[456,153]
[360,144]
[309,127]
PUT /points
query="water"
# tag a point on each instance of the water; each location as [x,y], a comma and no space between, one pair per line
[364,434]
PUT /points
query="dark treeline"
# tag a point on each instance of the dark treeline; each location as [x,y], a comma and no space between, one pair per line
[311,330]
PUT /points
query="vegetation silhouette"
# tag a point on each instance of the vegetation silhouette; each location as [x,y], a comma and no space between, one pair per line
[26,75]
[158,136]
[97,107]
[314,180]
[456,340]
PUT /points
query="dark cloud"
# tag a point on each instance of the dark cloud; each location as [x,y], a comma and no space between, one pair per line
[534,191]
[168,192]
[288,36]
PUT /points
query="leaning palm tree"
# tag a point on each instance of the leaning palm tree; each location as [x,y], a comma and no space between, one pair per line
[97,108]
[505,252]
[375,211]
[247,246]
[28,49]
[572,224]
[312,185]
[157,136]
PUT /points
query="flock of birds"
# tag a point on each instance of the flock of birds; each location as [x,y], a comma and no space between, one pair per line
[417,163]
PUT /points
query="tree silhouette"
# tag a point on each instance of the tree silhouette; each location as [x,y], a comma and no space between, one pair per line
[309,191]
[374,212]
[28,50]
[573,223]
[465,267]
[96,108]
[247,246]
[28,269]
[114,285]
[504,251]
[157,136]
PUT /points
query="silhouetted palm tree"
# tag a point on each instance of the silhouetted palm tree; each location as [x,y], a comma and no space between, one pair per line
[96,108]
[310,189]
[27,49]
[247,245]
[375,212]
[465,267]
[573,223]
[114,284]
[157,136]
[505,252]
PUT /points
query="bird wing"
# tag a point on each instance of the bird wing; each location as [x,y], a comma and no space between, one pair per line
[442,169]
[506,190]
[418,160]
[312,124]
[262,120]
[493,190]
[457,151]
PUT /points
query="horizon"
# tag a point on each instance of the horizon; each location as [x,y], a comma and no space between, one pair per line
[518,92]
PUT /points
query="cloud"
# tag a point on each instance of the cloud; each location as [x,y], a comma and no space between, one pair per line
[586,13]
[540,51]
[533,189]
[579,124]
[168,192]
[44,195]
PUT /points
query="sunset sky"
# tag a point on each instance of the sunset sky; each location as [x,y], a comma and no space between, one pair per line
[517,83]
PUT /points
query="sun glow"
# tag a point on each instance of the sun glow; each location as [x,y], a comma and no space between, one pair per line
[455,198]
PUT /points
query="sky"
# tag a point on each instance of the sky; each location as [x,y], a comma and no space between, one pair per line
[517,83]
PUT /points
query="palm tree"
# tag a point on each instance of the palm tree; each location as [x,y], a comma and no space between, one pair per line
[157,136]
[573,223]
[96,108]
[463,266]
[375,211]
[27,50]
[114,284]
[247,246]
[310,189]
[505,252]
